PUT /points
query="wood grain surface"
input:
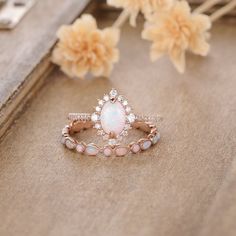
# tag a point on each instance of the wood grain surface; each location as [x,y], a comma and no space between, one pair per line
[185,186]
[25,53]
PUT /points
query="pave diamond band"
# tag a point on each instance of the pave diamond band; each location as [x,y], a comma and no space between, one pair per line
[88,117]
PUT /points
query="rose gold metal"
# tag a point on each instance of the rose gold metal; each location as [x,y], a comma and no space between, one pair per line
[77,126]
[83,121]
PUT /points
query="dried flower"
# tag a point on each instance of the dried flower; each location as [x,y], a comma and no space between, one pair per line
[147,7]
[156,6]
[175,31]
[82,47]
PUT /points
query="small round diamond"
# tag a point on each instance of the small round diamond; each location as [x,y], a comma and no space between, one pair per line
[125,103]
[124,133]
[97,126]
[94,117]
[112,142]
[113,93]
[127,126]
[100,132]
[131,118]
[128,109]
[100,102]
[106,97]
[120,98]
[98,108]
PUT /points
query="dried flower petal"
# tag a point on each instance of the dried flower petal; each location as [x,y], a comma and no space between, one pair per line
[175,31]
[84,48]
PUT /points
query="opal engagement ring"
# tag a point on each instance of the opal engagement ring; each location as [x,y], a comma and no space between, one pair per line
[112,118]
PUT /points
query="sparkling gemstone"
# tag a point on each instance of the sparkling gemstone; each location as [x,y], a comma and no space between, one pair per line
[106,98]
[100,102]
[112,142]
[113,117]
[120,98]
[94,117]
[113,93]
[128,109]
[100,132]
[125,103]
[156,138]
[97,126]
[121,151]
[135,148]
[80,148]
[131,118]
[107,151]
[70,143]
[91,150]
[127,126]
[124,133]
[146,144]
[98,108]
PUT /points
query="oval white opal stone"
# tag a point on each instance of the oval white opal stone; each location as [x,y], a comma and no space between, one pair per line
[113,117]
[146,144]
[70,143]
[156,138]
[91,150]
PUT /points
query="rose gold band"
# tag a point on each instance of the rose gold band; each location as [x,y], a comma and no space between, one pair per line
[84,122]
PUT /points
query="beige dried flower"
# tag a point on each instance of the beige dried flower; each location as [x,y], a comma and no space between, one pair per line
[147,7]
[175,31]
[84,48]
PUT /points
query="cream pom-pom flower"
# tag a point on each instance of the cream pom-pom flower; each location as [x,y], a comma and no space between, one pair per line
[83,48]
[147,7]
[175,31]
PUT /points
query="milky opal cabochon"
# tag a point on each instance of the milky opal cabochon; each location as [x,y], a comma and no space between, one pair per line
[113,117]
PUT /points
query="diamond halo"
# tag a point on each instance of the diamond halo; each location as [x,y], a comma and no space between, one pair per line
[113,117]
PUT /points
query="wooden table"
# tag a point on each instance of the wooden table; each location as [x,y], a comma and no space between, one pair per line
[184,186]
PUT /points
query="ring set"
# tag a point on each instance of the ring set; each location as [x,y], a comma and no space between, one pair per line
[112,118]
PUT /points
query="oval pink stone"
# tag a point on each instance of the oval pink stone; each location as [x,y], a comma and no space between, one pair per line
[135,148]
[80,148]
[107,151]
[113,117]
[121,151]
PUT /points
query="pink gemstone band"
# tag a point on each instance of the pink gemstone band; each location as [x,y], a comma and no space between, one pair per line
[91,149]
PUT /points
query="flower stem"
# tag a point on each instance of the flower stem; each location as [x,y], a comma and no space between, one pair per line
[222,11]
[205,6]
[121,19]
